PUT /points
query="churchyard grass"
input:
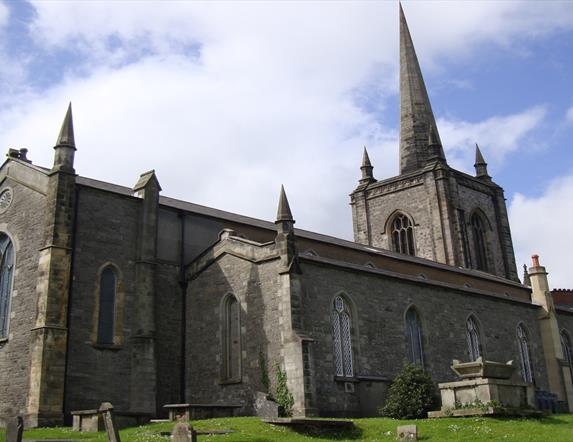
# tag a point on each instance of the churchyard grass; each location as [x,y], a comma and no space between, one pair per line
[248,429]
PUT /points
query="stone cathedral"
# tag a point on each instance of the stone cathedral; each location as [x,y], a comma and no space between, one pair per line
[111,293]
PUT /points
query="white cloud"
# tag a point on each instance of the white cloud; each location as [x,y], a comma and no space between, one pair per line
[540,226]
[569,115]
[497,136]
[4,14]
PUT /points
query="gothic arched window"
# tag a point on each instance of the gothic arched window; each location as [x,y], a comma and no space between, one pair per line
[231,328]
[107,306]
[479,235]
[6,271]
[567,351]
[414,337]
[474,339]
[342,335]
[524,354]
[402,232]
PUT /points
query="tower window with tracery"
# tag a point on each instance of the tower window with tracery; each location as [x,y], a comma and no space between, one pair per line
[479,235]
[403,235]
[342,336]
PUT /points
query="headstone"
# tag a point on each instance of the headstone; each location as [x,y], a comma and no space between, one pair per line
[182,433]
[106,409]
[15,429]
[264,407]
[407,433]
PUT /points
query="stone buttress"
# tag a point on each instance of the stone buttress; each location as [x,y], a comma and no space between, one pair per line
[49,336]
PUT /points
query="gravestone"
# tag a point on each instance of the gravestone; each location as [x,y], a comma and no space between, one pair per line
[14,429]
[406,433]
[264,407]
[183,433]
[106,409]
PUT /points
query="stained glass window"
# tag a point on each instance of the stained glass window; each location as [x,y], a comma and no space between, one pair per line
[567,352]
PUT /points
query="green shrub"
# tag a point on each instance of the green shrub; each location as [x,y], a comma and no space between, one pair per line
[411,395]
[283,395]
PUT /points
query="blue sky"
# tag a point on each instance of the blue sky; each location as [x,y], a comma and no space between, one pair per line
[229,100]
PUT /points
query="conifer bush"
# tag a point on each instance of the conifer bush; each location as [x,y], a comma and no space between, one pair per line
[284,397]
[411,395]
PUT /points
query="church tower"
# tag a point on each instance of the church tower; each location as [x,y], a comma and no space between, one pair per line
[431,210]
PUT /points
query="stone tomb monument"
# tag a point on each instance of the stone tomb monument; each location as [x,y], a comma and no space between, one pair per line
[485,388]
[14,429]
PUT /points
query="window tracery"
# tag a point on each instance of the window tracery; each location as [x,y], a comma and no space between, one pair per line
[414,337]
[524,354]
[6,271]
[402,233]
[473,338]
[342,337]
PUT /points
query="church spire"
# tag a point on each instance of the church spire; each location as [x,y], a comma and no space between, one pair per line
[416,116]
[65,145]
[283,212]
[480,165]
[366,169]
[66,136]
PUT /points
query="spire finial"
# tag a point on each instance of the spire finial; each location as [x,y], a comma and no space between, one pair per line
[366,169]
[480,165]
[66,136]
[416,116]
[283,212]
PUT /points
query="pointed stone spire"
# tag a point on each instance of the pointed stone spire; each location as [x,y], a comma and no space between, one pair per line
[65,145]
[283,212]
[526,279]
[480,165]
[366,169]
[66,136]
[416,116]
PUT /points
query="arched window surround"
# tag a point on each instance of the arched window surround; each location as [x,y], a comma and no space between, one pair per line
[567,349]
[7,289]
[119,307]
[350,310]
[401,240]
[480,228]
[474,337]
[526,365]
[229,330]
[414,335]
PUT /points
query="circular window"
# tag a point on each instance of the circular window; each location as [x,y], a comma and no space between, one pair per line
[5,200]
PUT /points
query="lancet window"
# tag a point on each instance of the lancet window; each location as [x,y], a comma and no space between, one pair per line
[231,369]
[402,232]
[524,354]
[567,350]
[342,335]
[473,338]
[414,337]
[107,306]
[6,271]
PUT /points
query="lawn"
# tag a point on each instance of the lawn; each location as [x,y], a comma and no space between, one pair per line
[250,429]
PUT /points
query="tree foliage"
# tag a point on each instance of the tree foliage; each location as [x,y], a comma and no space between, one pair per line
[411,395]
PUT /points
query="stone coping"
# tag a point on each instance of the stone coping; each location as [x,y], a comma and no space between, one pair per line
[482,381]
[117,413]
[487,411]
[202,406]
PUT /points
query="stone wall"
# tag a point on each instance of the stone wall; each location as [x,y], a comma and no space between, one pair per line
[257,287]
[23,222]
[106,233]
[379,304]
